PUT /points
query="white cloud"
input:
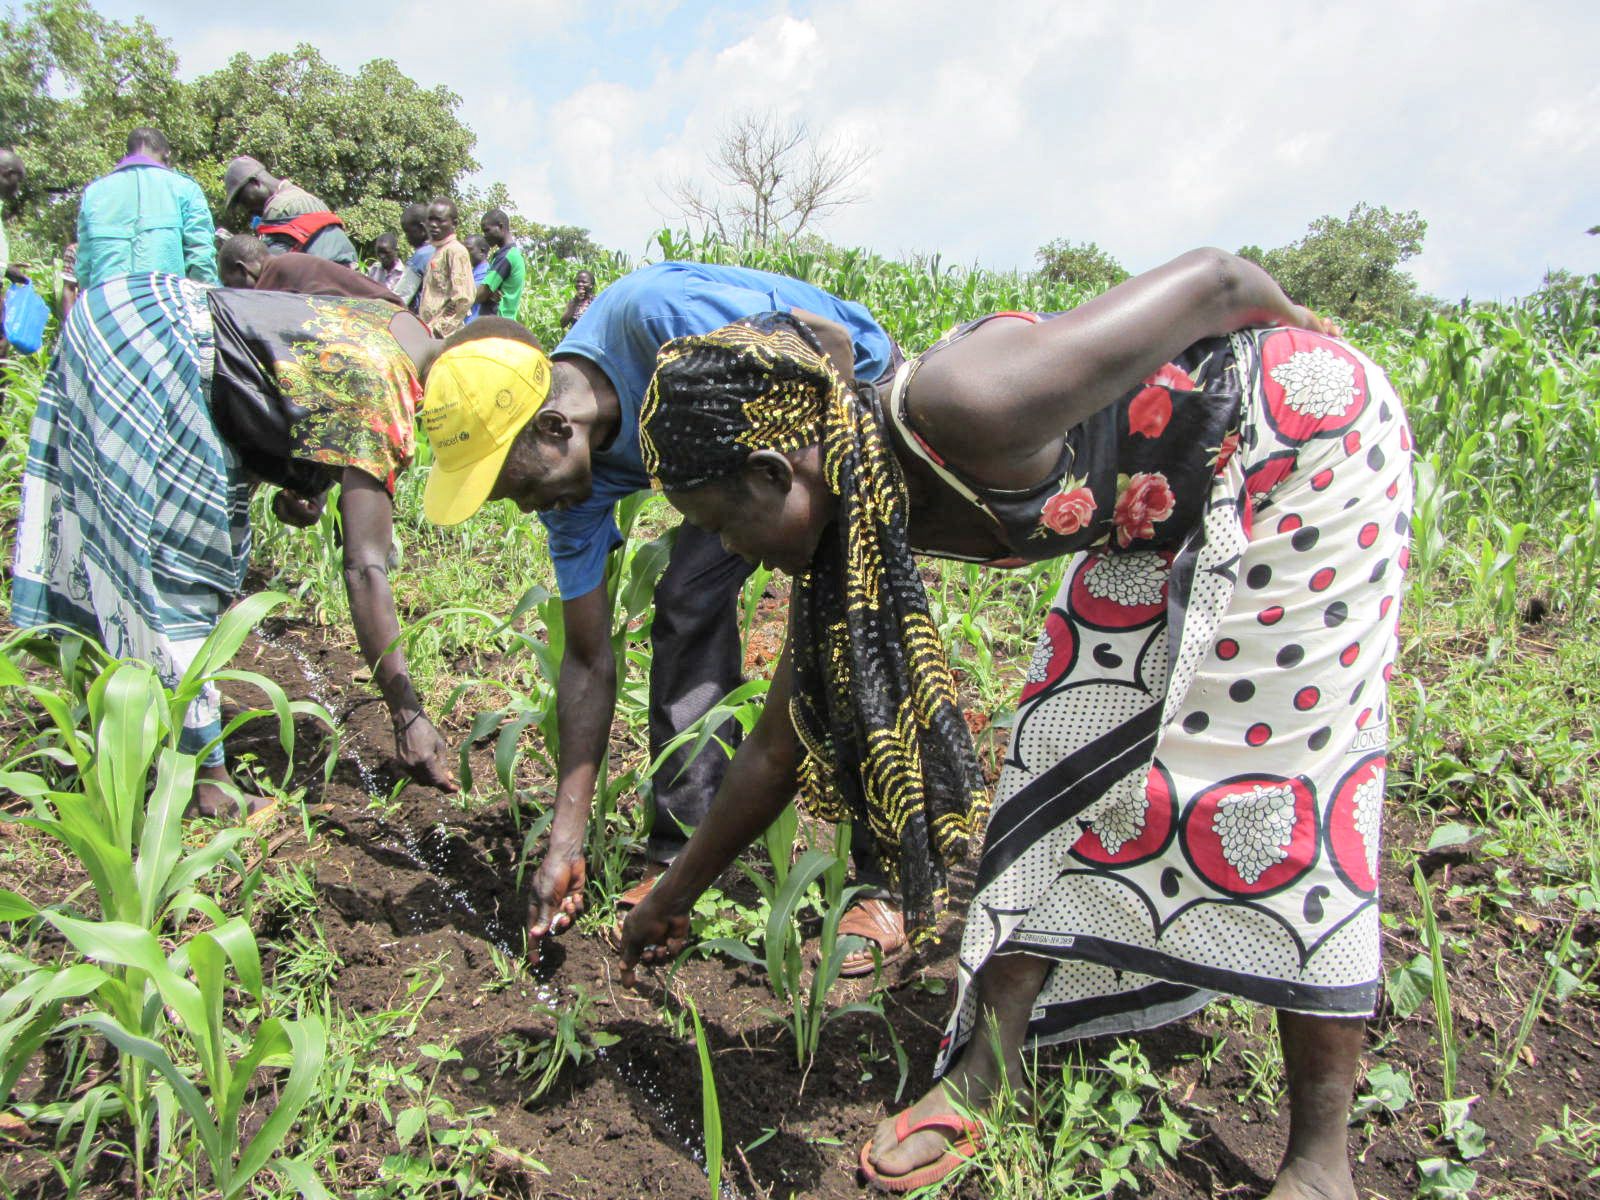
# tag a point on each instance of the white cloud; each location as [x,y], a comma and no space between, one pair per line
[1148,127]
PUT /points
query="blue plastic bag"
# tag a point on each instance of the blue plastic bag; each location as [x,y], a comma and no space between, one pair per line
[26,314]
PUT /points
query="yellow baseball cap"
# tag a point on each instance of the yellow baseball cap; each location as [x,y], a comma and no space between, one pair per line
[478,397]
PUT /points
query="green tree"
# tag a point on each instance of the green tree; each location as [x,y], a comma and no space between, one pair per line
[367,143]
[1351,267]
[1062,261]
[72,84]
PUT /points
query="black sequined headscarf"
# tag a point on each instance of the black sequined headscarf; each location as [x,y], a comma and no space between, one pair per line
[874,701]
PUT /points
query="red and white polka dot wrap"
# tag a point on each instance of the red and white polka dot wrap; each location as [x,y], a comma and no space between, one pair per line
[1191,800]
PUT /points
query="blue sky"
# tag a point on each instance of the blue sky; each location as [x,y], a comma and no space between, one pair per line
[1148,127]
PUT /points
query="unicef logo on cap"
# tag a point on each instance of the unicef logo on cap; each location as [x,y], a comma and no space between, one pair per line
[504,400]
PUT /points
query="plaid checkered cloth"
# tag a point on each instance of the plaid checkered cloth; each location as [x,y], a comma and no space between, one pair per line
[135,515]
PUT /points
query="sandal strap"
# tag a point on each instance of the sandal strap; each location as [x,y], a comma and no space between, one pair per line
[877,921]
[955,1123]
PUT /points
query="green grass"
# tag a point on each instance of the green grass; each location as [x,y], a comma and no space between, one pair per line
[1494,716]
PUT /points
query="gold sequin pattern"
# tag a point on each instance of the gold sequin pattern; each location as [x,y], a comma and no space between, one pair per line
[874,702]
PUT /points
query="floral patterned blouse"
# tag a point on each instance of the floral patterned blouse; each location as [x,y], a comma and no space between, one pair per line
[305,386]
[1135,475]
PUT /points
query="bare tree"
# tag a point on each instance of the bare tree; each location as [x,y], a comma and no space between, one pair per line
[775,180]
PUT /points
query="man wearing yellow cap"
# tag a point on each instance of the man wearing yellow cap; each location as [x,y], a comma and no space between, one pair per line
[560,436]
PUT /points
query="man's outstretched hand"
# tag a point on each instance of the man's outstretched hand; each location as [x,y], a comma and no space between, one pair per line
[422,754]
[655,932]
[557,896]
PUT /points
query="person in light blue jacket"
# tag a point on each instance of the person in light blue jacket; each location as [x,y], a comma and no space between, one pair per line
[144,217]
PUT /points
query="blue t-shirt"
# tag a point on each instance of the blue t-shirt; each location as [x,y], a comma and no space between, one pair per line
[417,264]
[621,332]
[479,274]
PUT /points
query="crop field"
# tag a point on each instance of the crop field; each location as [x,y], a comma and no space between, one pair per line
[336,1003]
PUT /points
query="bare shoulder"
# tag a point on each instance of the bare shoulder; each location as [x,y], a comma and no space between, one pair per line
[970,402]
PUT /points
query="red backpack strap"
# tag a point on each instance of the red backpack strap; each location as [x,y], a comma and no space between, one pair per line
[301,229]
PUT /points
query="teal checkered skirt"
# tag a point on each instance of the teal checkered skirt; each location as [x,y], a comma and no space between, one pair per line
[135,515]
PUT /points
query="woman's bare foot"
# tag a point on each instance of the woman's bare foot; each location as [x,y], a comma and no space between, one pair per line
[1300,1179]
[212,800]
[890,1156]
[1007,986]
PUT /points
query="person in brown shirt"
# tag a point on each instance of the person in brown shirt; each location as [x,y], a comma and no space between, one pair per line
[447,287]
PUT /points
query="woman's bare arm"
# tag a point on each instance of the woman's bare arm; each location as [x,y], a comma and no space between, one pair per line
[997,402]
[368,516]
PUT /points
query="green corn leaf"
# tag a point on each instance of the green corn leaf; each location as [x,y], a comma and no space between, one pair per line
[161,839]
[238,941]
[710,1107]
[732,947]
[506,748]
[37,1002]
[221,645]
[110,868]
[201,862]
[127,945]
[206,961]
[737,704]
[23,783]
[14,907]
[304,1043]
[187,1095]
[781,947]
[125,706]
[60,713]
[303,1177]
[644,569]
[277,705]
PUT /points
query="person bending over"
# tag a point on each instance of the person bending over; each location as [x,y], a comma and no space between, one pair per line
[244,261]
[135,526]
[571,459]
[1190,804]
[285,215]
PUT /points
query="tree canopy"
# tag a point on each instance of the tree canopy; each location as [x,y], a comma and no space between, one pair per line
[1351,267]
[1062,261]
[73,83]
[368,143]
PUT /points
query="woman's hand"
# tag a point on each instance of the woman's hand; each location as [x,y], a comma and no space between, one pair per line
[422,753]
[301,511]
[1302,317]
[654,933]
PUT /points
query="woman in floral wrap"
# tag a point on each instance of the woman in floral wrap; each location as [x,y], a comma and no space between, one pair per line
[166,402]
[1191,798]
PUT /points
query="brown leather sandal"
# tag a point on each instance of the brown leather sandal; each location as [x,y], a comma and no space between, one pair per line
[636,894]
[878,921]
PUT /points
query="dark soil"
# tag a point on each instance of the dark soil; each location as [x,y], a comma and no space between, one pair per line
[425,880]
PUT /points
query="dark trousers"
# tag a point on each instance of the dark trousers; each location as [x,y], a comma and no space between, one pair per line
[696,660]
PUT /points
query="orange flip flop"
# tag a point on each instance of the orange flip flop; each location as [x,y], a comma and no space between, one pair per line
[260,818]
[969,1134]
